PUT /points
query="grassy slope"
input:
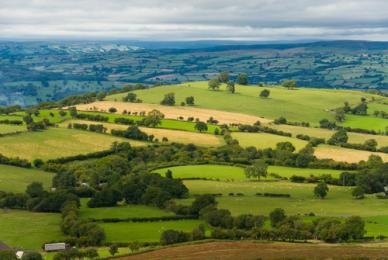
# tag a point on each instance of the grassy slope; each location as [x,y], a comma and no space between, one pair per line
[297,105]
[16,179]
[29,230]
[224,172]
[339,201]
[127,211]
[144,231]
[366,122]
[5,129]
[56,142]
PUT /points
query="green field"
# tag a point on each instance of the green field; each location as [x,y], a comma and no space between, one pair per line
[5,129]
[127,211]
[263,140]
[233,173]
[302,104]
[56,142]
[16,179]
[339,201]
[29,230]
[144,231]
[366,122]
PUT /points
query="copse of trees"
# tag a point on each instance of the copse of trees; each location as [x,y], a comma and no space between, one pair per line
[190,101]
[168,100]
[289,84]
[223,77]
[242,79]
[132,132]
[256,170]
[214,84]
[132,98]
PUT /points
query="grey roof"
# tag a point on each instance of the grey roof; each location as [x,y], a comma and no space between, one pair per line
[55,246]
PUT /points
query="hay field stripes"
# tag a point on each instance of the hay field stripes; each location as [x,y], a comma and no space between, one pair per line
[174,112]
[177,136]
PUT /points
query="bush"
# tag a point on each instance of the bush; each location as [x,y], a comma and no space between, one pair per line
[170,236]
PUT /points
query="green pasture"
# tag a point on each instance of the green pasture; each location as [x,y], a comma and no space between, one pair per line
[16,179]
[264,140]
[122,212]
[339,201]
[144,231]
[5,128]
[302,104]
[28,230]
[366,122]
[57,142]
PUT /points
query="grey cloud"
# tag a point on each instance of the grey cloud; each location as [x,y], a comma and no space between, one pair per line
[195,19]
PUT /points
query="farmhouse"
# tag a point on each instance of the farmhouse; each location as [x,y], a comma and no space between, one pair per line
[55,247]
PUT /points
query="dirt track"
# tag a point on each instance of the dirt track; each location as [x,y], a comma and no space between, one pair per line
[252,250]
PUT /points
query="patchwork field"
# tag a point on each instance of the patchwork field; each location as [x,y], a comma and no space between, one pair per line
[29,230]
[56,142]
[174,112]
[345,155]
[366,122]
[144,231]
[16,179]
[184,137]
[264,140]
[302,104]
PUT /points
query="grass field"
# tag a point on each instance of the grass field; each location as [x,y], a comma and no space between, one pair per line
[339,201]
[127,211]
[366,122]
[144,231]
[264,140]
[344,155]
[16,179]
[382,140]
[233,173]
[29,230]
[302,104]
[5,129]
[184,137]
[56,142]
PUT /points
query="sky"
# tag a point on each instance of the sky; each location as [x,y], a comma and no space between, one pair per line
[254,20]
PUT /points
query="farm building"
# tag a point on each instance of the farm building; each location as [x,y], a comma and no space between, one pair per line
[55,247]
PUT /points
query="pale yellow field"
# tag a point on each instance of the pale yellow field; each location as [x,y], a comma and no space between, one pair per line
[174,112]
[344,155]
[177,136]
[325,133]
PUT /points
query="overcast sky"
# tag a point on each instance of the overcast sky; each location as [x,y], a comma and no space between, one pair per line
[195,20]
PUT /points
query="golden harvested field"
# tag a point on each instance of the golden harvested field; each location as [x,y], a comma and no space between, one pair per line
[382,140]
[247,250]
[344,155]
[174,112]
[177,136]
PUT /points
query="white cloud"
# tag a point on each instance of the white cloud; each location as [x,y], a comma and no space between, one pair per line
[195,19]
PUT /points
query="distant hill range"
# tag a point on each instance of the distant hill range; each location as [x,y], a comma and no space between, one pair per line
[31,72]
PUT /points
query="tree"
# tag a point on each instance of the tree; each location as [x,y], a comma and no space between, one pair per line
[339,137]
[257,170]
[168,174]
[285,146]
[131,97]
[276,216]
[201,202]
[168,100]
[242,79]
[340,115]
[112,110]
[134,246]
[73,112]
[38,163]
[231,87]
[354,227]
[264,93]
[35,189]
[200,126]
[358,192]
[223,77]
[172,237]
[91,253]
[214,84]
[370,144]
[289,84]
[62,113]
[113,249]
[100,96]
[321,190]
[153,118]
[190,101]
[32,256]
